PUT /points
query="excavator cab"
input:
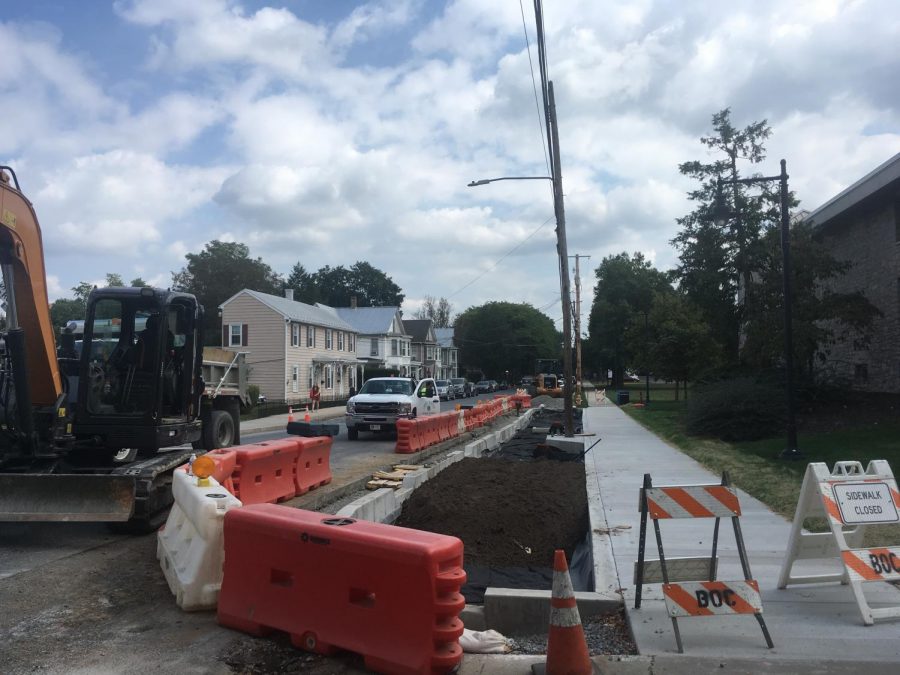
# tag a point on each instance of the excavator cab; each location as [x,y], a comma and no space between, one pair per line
[139,369]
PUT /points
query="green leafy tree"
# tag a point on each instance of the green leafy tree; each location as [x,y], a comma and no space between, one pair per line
[113,279]
[503,336]
[64,310]
[716,263]
[623,294]
[82,291]
[817,309]
[219,271]
[137,282]
[439,311]
[337,286]
[675,342]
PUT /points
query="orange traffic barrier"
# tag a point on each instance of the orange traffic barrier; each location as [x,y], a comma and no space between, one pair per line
[313,464]
[472,419]
[225,461]
[567,651]
[405,436]
[433,436]
[264,472]
[290,414]
[443,430]
[306,417]
[388,593]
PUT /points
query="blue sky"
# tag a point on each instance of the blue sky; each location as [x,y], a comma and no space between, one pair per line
[330,132]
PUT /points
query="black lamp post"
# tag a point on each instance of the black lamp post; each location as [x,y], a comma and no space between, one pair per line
[720,215]
[647,357]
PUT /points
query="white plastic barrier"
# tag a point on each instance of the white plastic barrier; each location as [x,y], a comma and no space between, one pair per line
[191,548]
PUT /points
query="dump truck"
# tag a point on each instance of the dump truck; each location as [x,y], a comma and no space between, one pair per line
[92,428]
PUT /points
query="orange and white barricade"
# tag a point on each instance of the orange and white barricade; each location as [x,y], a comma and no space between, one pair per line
[690,587]
[851,500]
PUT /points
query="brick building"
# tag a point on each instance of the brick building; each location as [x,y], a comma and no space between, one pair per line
[862,225]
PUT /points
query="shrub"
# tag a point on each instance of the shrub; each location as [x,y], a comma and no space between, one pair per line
[253,394]
[738,409]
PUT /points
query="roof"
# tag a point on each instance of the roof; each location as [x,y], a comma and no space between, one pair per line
[417,328]
[297,311]
[881,178]
[367,320]
[444,337]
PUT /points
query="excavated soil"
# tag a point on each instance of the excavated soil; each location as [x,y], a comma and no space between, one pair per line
[501,509]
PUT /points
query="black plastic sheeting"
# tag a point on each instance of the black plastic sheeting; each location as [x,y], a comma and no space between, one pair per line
[581,571]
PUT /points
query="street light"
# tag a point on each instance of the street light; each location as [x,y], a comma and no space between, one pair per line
[485,181]
[720,216]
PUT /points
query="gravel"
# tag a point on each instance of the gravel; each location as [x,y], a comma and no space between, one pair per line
[606,634]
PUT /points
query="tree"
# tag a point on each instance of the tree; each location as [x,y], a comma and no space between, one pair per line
[624,292]
[219,271]
[439,311]
[82,291]
[817,309]
[137,282]
[716,262]
[113,279]
[64,310]
[337,286]
[676,343]
[503,336]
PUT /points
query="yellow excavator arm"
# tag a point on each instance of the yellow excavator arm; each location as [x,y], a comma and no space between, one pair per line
[24,275]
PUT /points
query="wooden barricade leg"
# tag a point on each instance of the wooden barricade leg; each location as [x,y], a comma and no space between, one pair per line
[642,543]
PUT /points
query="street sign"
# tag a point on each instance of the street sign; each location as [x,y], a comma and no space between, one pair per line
[869,502]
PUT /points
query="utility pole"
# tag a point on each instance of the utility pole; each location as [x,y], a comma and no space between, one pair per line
[559,209]
[578,373]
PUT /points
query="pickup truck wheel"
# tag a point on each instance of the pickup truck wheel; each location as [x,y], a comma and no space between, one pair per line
[219,433]
[352,433]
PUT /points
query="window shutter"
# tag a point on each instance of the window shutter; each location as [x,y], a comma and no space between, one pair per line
[225,335]
[245,334]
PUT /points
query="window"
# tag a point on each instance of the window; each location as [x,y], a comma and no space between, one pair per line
[328,338]
[350,339]
[395,348]
[329,377]
[310,379]
[310,336]
[340,341]
[295,335]
[373,349]
[235,335]
[404,348]
[295,379]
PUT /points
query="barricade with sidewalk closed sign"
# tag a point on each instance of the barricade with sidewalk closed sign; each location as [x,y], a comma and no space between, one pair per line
[690,587]
[851,500]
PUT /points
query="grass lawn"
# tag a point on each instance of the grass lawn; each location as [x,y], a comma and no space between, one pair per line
[755,467]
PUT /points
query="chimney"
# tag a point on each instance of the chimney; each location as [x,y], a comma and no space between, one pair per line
[289,293]
[352,302]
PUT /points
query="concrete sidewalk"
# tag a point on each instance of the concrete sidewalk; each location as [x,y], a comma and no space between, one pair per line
[279,422]
[818,622]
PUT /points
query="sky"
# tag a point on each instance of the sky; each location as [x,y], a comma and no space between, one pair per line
[326,132]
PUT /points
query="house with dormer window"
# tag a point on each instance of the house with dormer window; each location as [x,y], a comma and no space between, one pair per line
[426,351]
[383,342]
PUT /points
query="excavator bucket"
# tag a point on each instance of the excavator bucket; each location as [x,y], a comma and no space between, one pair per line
[66,497]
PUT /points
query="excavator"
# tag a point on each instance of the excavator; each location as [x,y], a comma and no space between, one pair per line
[91,429]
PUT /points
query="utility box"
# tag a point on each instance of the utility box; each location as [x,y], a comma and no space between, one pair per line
[622,397]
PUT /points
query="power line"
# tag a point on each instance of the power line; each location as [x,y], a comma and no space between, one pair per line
[505,256]
[537,106]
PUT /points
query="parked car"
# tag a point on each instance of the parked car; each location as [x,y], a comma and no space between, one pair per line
[494,385]
[446,390]
[631,377]
[483,387]
[462,386]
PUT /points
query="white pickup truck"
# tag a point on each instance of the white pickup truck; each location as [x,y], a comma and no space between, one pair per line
[381,401]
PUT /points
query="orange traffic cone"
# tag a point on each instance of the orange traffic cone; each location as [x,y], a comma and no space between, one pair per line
[306,416]
[567,651]
[290,414]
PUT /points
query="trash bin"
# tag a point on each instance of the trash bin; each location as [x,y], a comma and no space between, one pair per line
[622,397]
